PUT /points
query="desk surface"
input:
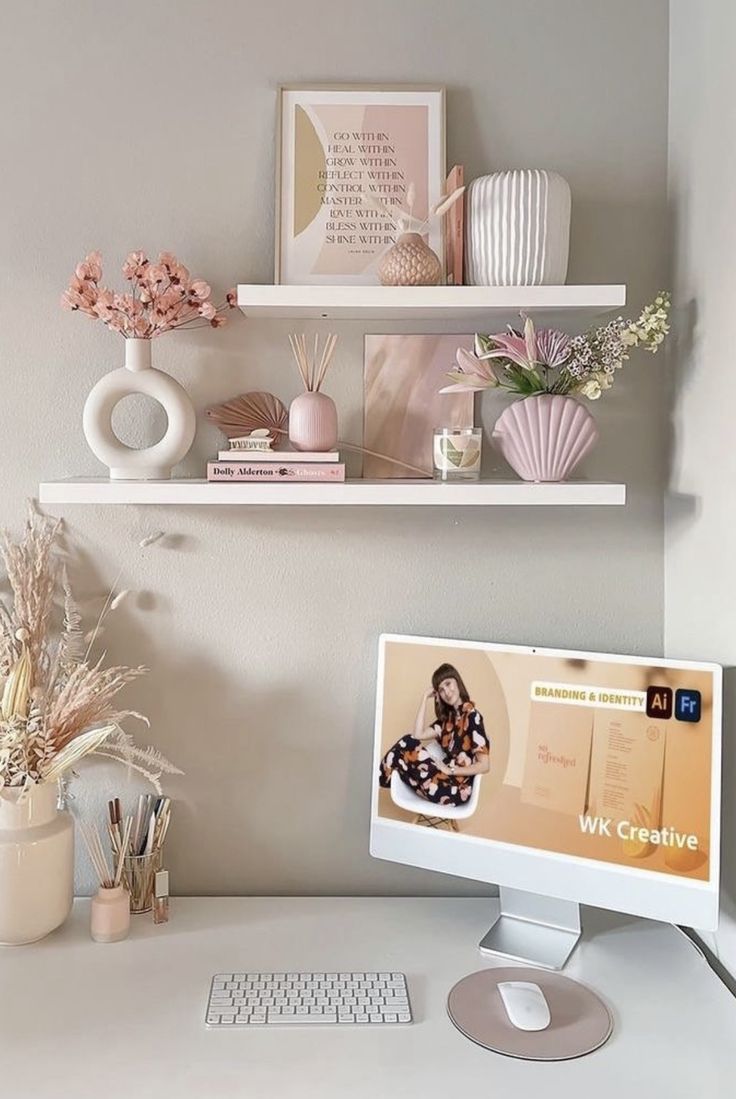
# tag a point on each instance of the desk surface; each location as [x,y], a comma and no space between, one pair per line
[80,1020]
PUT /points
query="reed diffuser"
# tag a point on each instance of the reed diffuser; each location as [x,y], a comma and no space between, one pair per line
[312,415]
[110,909]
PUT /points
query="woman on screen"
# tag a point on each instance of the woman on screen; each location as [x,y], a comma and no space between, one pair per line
[458,728]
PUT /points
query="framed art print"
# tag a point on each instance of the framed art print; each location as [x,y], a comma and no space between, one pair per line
[344,153]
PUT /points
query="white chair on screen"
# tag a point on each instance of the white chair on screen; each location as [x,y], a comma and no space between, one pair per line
[426,812]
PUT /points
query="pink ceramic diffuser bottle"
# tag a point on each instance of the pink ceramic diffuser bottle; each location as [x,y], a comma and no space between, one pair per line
[313,422]
[312,415]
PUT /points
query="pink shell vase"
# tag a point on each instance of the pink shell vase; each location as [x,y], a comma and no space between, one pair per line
[544,437]
[313,422]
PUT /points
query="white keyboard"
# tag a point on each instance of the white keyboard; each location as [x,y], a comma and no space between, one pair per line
[307,999]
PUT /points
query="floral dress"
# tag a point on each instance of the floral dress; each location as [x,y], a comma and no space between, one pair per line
[464,742]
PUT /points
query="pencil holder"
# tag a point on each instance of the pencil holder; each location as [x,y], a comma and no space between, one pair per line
[139,873]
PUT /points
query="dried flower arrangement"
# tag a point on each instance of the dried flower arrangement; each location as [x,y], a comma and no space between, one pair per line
[547,360]
[163,296]
[403,216]
[58,705]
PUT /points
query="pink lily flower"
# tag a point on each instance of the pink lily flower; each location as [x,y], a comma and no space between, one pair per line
[521,350]
[472,375]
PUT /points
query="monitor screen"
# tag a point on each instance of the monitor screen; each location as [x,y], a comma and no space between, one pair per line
[583,776]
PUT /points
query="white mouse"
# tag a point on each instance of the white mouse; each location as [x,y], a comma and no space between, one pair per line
[525,1005]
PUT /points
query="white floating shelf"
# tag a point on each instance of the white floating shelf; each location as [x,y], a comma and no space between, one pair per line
[358,492]
[423,302]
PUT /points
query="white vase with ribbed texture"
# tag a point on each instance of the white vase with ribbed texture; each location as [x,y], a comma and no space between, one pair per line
[545,436]
[517,229]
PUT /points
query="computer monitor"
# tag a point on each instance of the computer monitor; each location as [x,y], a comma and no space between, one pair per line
[563,777]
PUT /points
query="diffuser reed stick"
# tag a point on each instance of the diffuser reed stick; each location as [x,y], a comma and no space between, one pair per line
[281,432]
[107,877]
[313,366]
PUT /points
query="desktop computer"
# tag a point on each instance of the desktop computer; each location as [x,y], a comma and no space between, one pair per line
[562,777]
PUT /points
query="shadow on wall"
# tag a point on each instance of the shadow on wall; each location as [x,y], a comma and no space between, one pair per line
[682,509]
[206,729]
[728,804]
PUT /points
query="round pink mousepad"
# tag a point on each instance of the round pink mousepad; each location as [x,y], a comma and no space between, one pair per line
[580,1021]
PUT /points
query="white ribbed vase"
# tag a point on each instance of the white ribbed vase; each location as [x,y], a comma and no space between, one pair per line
[517,229]
[138,376]
[544,437]
[313,422]
[36,864]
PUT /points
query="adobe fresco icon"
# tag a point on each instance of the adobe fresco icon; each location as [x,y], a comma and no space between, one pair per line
[686,704]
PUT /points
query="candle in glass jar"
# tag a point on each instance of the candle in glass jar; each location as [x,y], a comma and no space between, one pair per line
[457,453]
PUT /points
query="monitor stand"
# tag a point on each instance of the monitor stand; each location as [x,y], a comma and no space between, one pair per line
[542,931]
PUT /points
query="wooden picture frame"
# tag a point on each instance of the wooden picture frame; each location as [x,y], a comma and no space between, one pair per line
[336,145]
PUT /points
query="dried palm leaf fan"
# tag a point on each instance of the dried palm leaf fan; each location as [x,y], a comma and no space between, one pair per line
[244,414]
[248,412]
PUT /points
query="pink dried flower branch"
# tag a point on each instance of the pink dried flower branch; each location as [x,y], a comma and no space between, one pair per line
[163,296]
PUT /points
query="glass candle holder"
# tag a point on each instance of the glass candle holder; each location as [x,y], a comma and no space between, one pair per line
[456,453]
[139,877]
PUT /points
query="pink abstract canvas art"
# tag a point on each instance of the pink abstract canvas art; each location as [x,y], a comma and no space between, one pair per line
[402,403]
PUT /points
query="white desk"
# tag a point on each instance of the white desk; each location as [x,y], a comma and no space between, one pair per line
[79,1020]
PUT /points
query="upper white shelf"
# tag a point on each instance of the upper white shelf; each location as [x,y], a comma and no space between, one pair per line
[99,490]
[423,302]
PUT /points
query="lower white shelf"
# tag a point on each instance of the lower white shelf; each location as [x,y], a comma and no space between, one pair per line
[99,490]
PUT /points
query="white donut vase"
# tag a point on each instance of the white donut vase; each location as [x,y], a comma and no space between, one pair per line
[137,376]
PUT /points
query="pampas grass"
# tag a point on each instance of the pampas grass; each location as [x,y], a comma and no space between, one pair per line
[33,584]
[58,705]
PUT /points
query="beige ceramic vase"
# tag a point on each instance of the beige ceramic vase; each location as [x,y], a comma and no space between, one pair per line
[410,262]
[36,864]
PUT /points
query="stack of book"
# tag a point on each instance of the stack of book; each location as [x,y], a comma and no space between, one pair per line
[266,465]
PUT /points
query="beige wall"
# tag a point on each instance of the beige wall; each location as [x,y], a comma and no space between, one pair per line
[701,507]
[151,125]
